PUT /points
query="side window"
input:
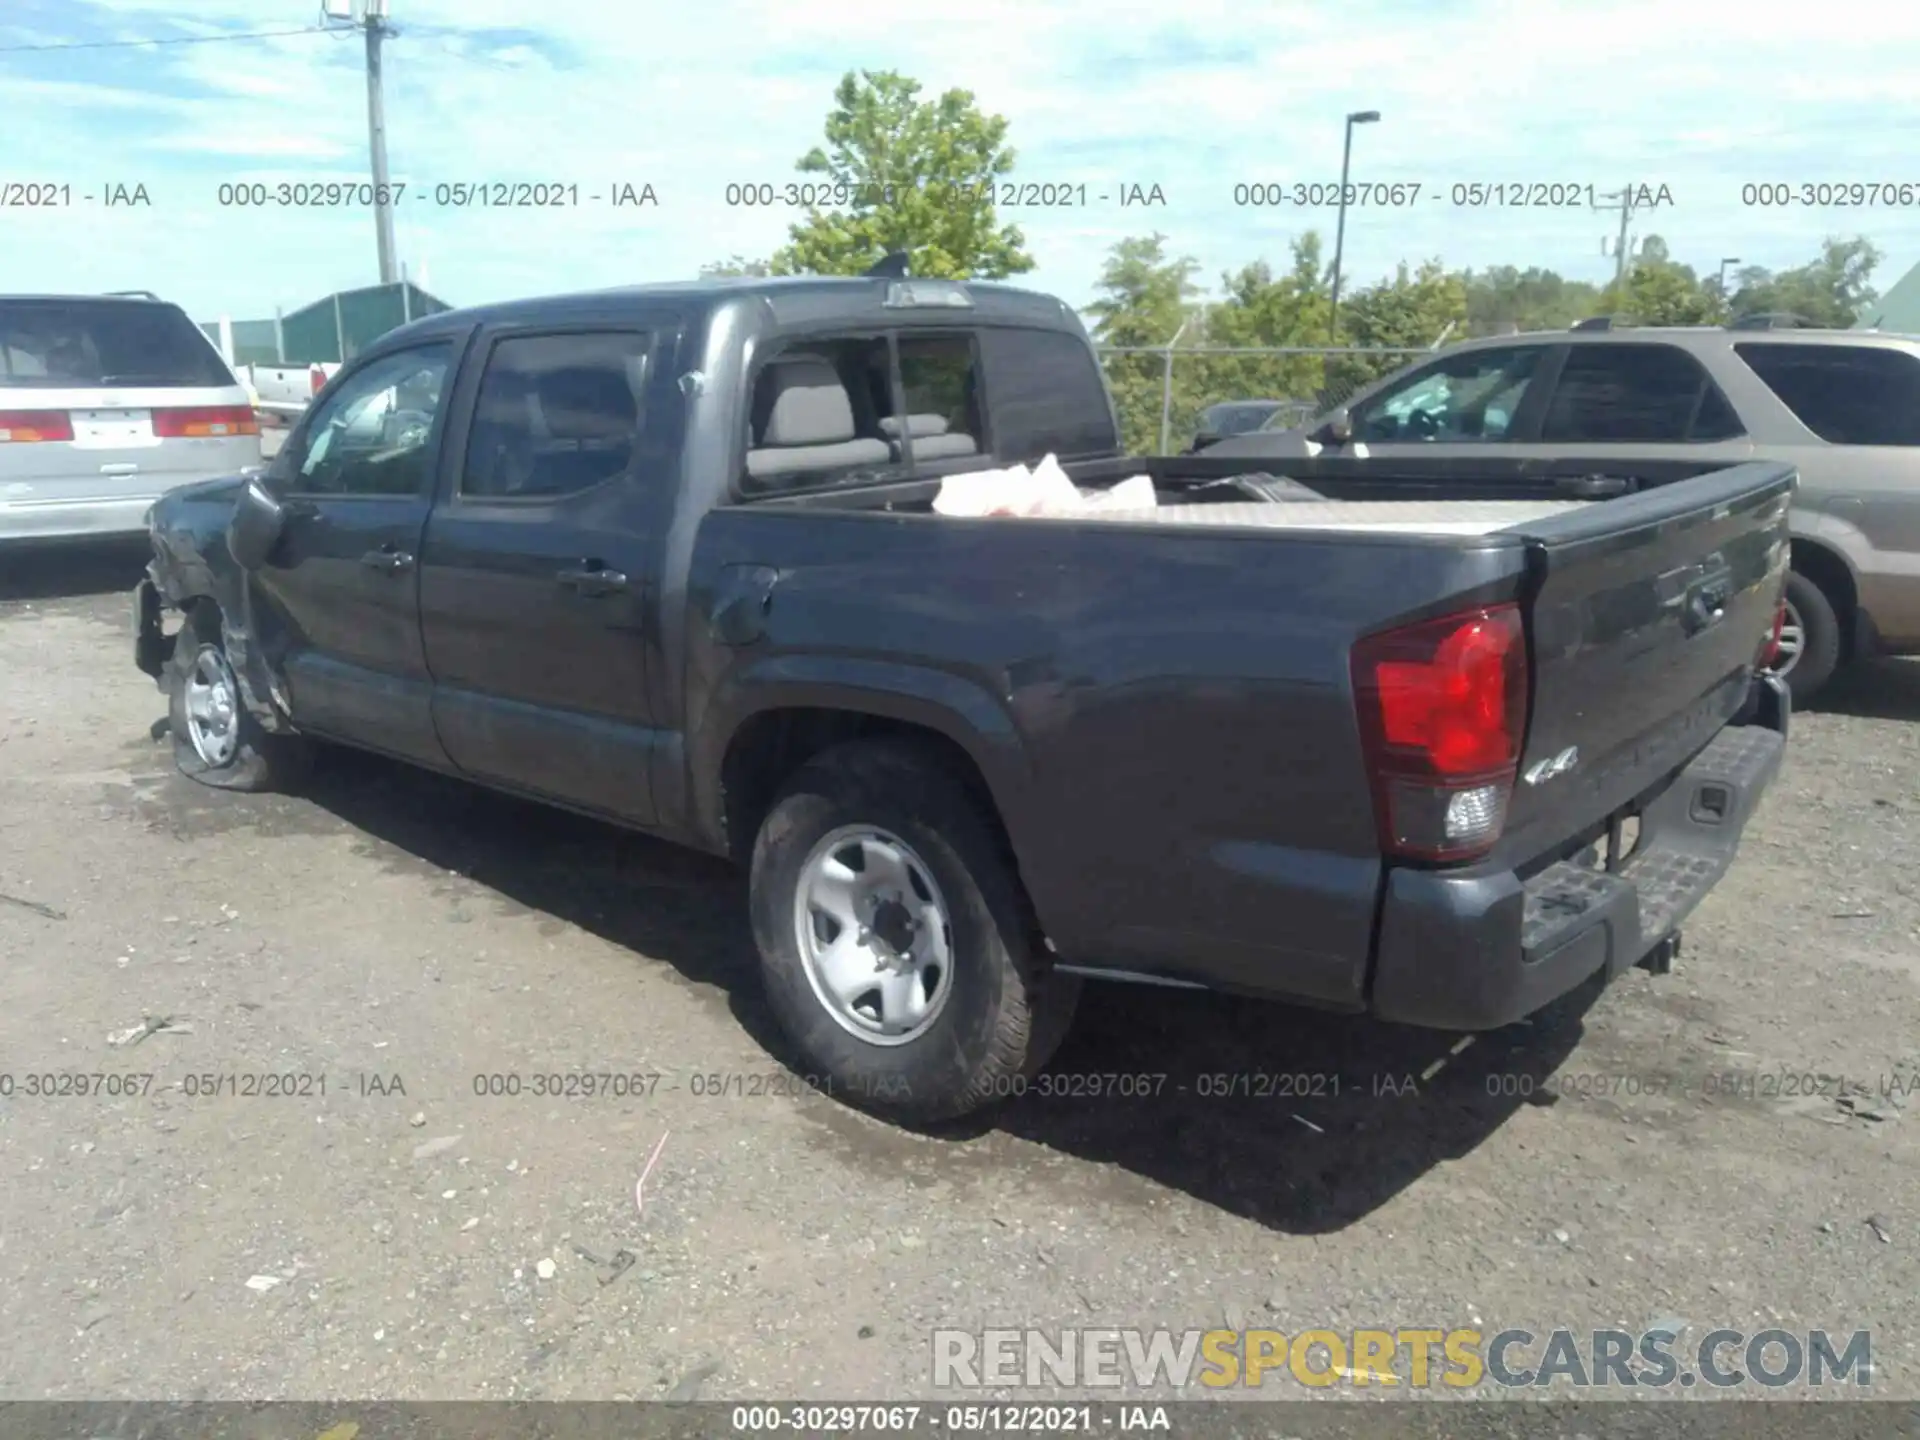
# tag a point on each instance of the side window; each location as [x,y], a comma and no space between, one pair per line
[1045,395]
[942,419]
[1648,394]
[557,414]
[822,414]
[372,435]
[1845,394]
[1469,397]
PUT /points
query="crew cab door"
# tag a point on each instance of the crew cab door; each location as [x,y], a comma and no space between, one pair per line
[340,593]
[539,595]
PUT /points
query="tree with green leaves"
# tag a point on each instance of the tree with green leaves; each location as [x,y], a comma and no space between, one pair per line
[1144,297]
[1661,291]
[1260,308]
[1410,310]
[734,265]
[901,173]
[1834,289]
[1504,297]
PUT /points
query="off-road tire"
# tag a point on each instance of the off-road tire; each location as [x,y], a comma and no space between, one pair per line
[1007,1012]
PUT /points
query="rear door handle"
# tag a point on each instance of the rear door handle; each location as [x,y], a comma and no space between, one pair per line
[593,580]
[387,558]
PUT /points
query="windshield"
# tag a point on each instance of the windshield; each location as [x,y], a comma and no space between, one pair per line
[1287,414]
[55,344]
[1236,419]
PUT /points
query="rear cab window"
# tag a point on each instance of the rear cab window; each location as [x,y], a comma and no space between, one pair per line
[1045,396]
[823,415]
[917,402]
[59,344]
[1845,394]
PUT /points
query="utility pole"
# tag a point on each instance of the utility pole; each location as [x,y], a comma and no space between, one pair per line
[1166,385]
[1621,200]
[373,21]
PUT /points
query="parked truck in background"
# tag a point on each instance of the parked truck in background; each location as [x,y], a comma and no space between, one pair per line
[282,392]
[668,556]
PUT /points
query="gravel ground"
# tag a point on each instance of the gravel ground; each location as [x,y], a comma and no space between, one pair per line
[396,935]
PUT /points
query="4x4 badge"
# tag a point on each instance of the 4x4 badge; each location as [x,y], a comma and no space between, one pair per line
[1542,771]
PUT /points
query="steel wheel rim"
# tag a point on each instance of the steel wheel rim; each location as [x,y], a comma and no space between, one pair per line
[1793,640]
[213,707]
[875,935]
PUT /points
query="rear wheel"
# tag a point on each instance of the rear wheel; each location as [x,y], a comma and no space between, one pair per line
[897,946]
[215,739]
[1809,639]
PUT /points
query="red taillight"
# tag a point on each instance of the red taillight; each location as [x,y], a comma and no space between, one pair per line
[1770,647]
[317,379]
[1442,705]
[200,422]
[19,427]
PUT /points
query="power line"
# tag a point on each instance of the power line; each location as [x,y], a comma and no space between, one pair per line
[170,40]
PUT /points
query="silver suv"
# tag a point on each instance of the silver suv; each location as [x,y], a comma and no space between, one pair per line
[1841,406]
[107,402]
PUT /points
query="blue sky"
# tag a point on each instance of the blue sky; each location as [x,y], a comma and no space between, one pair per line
[1701,96]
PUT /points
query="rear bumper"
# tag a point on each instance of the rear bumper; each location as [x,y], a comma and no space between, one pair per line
[1475,952]
[75,519]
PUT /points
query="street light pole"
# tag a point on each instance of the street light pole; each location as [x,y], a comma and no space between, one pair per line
[1358,117]
[1730,260]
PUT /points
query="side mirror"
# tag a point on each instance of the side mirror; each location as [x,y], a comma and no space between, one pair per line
[1339,426]
[258,519]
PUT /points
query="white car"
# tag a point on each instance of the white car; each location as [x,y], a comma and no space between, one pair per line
[107,403]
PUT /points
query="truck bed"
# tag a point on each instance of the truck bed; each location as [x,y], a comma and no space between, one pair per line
[1401,517]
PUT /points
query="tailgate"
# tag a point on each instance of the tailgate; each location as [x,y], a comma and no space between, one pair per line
[1648,613]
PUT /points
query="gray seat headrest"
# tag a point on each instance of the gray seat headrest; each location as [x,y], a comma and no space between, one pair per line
[918,426]
[810,404]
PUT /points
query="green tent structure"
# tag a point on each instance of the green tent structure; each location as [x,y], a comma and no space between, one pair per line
[1898,310]
[346,322]
[329,330]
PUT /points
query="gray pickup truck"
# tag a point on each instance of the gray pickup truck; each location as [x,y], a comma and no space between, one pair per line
[1430,741]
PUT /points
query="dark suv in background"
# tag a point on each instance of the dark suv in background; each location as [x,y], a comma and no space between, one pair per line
[1238,417]
[1841,406]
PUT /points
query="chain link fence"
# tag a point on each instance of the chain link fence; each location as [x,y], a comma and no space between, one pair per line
[1161,391]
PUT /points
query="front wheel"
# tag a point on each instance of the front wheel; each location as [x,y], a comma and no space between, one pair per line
[215,739]
[896,944]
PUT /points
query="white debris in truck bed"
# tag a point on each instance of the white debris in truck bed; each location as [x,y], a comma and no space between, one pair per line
[1418,517]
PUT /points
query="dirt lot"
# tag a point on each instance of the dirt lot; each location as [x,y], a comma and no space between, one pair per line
[390,931]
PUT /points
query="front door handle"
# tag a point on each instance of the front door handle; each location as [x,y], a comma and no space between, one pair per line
[593,581]
[387,558]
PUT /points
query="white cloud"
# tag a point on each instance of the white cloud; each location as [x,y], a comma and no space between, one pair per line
[1196,96]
